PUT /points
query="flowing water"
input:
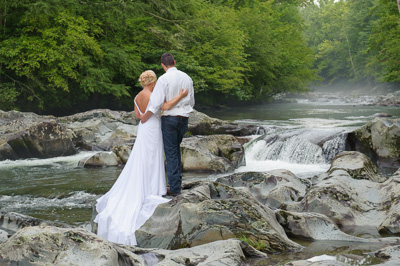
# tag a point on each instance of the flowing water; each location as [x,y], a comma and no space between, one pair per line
[291,137]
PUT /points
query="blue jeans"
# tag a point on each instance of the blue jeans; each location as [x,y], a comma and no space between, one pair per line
[173,129]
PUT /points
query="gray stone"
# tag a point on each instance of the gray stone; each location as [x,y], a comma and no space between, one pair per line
[209,212]
[380,140]
[12,222]
[275,188]
[350,202]
[223,252]
[391,255]
[35,137]
[102,129]
[357,165]
[123,152]
[101,159]
[202,124]
[46,245]
[215,153]
[3,236]
[314,226]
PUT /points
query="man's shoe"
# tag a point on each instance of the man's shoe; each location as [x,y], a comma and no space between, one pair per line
[170,193]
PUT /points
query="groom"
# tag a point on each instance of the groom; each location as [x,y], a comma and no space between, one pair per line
[174,122]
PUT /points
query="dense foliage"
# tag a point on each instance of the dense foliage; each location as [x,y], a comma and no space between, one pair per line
[73,55]
[64,56]
[355,40]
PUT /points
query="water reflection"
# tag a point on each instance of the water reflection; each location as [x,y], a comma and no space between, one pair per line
[350,253]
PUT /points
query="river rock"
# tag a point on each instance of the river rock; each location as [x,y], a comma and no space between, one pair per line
[390,254]
[32,136]
[313,226]
[3,236]
[275,188]
[123,152]
[101,159]
[202,124]
[102,129]
[222,252]
[380,140]
[356,164]
[215,153]
[47,245]
[210,211]
[350,202]
[11,222]
[390,99]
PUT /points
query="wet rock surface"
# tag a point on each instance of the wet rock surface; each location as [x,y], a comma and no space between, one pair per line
[215,153]
[379,139]
[48,245]
[209,212]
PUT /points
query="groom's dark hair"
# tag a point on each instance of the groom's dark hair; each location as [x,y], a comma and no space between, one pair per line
[167,59]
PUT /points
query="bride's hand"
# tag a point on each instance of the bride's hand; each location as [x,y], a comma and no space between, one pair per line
[183,93]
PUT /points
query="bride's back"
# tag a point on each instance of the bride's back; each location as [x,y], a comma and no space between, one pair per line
[142,100]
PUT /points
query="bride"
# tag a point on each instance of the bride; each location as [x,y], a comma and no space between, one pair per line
[139,188]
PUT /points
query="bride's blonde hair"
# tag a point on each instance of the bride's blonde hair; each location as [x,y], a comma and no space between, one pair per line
[147,77]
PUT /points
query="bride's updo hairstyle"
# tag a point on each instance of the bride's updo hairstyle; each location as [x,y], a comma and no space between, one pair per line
[147,77]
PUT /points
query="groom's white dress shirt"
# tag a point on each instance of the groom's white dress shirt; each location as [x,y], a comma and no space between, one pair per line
[168,87]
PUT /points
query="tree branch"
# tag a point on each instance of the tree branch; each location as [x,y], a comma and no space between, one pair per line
[19,82]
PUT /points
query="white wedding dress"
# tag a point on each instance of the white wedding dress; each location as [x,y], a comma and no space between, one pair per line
[139,188]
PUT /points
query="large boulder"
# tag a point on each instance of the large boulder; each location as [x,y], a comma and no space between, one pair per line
[32,136]
[102,129]
[47,245]
[215,153]
[380,140]
[11,222]
[275,188]
[351,202]
[101,159]
[222,252]
[202,124]
[356,164]
[313,226]
[211,211]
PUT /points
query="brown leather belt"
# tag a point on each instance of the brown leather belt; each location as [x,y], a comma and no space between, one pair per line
[177,116]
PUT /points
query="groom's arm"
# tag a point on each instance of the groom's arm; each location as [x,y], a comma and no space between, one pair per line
[157,97]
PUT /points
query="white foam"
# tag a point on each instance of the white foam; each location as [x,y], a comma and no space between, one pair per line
[65,160]
[322,258]
[78,199]
[300,170]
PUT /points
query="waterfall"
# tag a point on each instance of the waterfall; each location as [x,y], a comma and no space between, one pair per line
[332,147]
[297,148]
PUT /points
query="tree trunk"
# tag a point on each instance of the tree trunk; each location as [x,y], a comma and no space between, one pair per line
[351,58]
[398,5]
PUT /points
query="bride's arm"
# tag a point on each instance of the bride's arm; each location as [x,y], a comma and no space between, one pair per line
[168,105]
[137,114]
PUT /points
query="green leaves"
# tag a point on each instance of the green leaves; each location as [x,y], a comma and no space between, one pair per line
[61,54]
[355,40]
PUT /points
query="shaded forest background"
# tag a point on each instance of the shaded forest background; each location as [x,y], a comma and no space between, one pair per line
[65,56]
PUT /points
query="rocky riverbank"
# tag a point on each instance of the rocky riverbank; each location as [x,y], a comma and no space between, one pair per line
[236,219]
[112,133]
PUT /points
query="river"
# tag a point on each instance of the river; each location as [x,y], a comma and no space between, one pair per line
[57,189]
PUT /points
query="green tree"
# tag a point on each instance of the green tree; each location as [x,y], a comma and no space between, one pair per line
[385,42]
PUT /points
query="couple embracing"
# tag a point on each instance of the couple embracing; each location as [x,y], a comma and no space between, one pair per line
[142,183]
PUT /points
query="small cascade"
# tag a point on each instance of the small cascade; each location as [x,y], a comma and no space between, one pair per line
[293,150]
[332,147]
[296,149]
